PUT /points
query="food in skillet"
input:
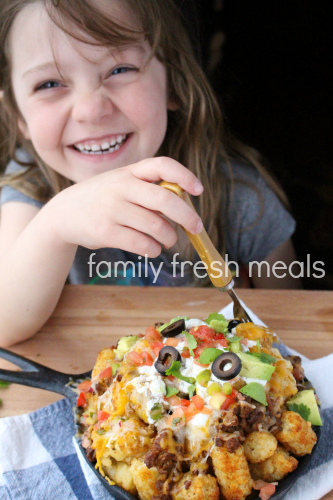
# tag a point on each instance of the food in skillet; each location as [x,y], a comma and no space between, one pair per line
[196,409]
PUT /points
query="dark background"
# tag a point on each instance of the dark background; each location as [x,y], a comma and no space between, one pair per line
[270,65]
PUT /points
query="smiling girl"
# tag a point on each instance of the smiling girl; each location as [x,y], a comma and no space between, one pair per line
[100,102]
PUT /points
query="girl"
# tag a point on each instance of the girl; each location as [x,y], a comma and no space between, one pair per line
[99,102]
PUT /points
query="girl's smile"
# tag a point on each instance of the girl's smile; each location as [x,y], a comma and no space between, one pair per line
[86,108]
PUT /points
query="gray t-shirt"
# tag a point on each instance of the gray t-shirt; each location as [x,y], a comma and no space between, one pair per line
[255,223]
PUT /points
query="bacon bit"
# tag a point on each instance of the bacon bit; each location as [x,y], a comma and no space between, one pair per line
[267,492]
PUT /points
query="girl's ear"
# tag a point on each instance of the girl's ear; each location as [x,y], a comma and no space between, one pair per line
[23,128]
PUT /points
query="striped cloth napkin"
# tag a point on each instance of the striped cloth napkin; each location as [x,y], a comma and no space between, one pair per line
[39,459]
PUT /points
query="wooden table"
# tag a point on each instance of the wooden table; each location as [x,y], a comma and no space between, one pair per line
[89,318]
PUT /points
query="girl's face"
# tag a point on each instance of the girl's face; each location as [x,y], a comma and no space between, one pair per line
[85,110]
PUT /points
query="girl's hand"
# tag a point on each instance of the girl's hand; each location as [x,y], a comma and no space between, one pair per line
[118,209]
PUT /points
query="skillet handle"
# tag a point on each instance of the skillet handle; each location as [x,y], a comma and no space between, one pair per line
[37,375]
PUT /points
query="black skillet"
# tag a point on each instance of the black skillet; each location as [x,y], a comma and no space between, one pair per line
[39,376]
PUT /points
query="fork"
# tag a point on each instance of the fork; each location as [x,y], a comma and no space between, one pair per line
[212,258]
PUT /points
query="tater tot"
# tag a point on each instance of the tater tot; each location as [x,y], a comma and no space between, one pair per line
[232,472]
[259,445]
[275,467]
[297,435]
[145,479]
[202,487]
[120,473]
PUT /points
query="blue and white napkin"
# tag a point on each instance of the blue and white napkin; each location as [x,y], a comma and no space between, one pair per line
[39,459]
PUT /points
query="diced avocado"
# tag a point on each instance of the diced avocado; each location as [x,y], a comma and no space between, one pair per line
[217,322]
[308,399]
[124,345]
[253,368]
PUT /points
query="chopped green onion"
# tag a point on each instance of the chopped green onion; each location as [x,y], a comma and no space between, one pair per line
[203,378]
[227,388]
[101,432]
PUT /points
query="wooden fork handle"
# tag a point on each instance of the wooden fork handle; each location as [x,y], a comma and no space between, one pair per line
[217,269]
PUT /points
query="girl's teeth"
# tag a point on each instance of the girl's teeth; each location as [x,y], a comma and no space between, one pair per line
[111,146]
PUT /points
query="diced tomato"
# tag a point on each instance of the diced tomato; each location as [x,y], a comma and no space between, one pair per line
[81,400]
[200,364]
[243,341]
[185,402]
[152,335]
[198,350]
[185,353]
[178,413]
[219,336]
[146,358]
[267,491]
[106,373]
[140,335]
[223,343]
[134,358]
[202,332]
[190,412]
[198,402]
[84,386]
[172,341]
[156,347]
[173,400]
[171,378]
[206,411]
[102,415]
[227,402]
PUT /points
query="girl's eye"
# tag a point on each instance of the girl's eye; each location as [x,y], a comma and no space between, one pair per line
[48,85]
[122,69]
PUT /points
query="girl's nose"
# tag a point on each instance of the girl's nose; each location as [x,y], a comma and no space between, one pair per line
[92,107]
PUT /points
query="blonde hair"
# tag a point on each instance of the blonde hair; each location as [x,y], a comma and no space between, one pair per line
[196,135]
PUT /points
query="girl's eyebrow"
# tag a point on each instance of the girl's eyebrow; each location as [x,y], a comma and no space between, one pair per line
[51,65]
[40,67]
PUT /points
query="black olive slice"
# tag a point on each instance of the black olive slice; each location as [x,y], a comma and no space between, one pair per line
[174,329]
[232,324]
[224,359]
[166,356]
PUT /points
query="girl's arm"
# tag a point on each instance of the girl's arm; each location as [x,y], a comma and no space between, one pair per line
[285,253]
[116,209]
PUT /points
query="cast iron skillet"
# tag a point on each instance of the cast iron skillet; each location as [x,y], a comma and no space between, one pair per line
[36,375]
